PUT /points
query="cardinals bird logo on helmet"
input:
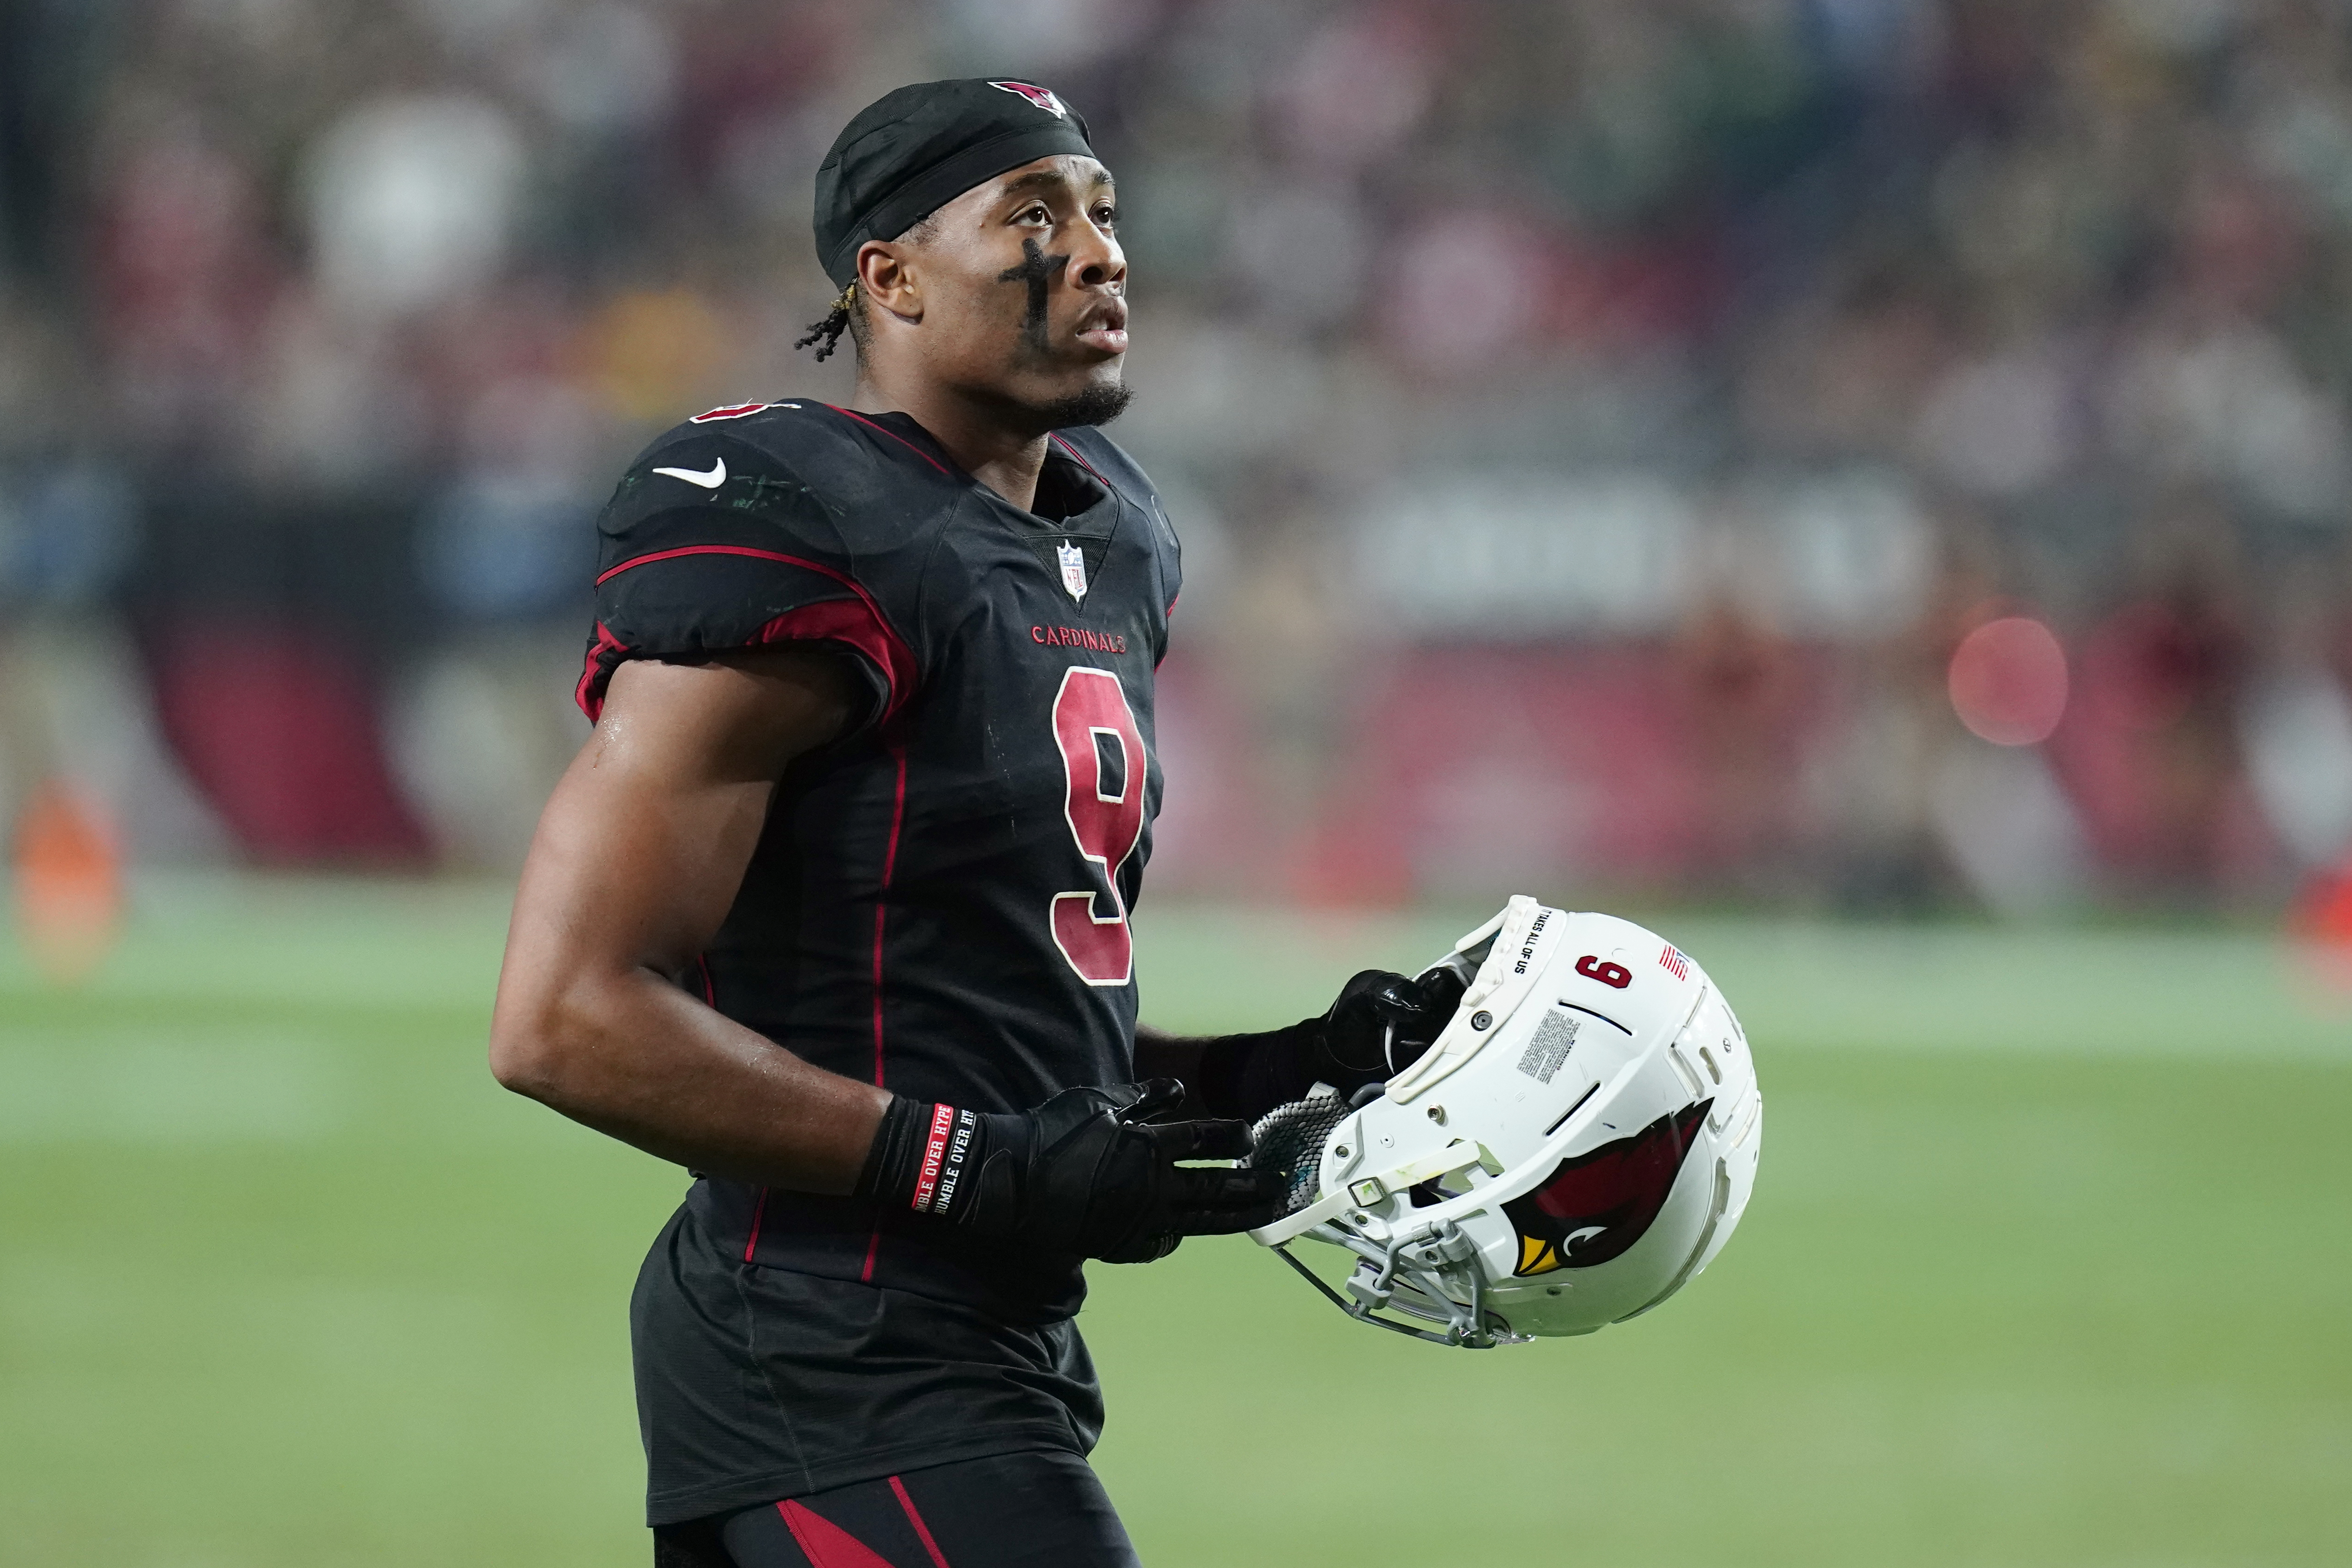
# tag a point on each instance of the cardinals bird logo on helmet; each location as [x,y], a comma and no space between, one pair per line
[1598,1205]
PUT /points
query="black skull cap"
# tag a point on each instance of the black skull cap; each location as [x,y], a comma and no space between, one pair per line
[915,149]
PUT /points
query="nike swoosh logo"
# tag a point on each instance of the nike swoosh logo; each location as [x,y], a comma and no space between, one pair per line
[711,481]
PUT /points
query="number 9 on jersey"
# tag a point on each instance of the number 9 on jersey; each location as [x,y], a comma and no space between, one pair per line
[1102,758]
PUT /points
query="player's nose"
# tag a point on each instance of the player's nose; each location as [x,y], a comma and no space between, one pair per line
[1096,261]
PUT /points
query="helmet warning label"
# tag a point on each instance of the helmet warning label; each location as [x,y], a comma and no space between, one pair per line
[1555,1037]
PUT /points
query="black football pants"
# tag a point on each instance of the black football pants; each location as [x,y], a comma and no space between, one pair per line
[1038,1510]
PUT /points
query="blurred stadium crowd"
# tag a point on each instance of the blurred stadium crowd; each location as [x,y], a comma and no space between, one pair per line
[1595,426]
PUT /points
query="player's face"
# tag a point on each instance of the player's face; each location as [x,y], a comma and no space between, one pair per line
[1024,286]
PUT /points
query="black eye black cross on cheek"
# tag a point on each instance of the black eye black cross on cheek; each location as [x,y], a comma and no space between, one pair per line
[1037,270]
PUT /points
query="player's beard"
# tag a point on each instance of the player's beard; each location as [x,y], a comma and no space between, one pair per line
[1096,404]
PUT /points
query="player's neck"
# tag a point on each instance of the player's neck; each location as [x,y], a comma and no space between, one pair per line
[1005,457]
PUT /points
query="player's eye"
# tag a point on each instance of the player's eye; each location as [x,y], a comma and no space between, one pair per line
[1035,213]
[1105,216]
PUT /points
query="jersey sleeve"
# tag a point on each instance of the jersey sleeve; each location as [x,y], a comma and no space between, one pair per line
[710,545]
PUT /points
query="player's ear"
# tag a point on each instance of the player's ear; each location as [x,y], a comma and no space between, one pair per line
[887,274]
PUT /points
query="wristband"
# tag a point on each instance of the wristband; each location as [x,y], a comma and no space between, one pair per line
[921,1155]
[949,1151]
[935,1149]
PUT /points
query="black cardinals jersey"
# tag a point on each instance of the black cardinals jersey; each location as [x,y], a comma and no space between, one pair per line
[938,901]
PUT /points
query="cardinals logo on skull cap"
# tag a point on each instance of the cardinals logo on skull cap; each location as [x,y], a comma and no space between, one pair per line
[1599,1204]
[1042,97]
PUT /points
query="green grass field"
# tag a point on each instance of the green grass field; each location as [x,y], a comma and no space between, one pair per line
[2048,1264]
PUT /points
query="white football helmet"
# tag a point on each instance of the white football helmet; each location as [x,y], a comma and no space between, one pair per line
[1573,1147]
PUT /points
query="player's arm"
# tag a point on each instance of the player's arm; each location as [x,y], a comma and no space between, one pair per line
[637,860]
[1379,1025]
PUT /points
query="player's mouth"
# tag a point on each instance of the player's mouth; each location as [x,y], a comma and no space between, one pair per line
[1104,327]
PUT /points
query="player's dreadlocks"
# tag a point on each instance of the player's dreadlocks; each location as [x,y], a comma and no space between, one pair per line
[827,334]
[848,313]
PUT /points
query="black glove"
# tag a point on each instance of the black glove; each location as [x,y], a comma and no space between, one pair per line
[1082,1174]
[1378,1027]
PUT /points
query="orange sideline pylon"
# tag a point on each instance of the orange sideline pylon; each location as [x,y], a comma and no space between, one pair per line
[68,877]
[2322,925]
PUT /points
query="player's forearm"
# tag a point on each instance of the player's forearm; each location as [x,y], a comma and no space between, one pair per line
[1380,1023]
[1159,1054]
[634,1057]
[1213,1068]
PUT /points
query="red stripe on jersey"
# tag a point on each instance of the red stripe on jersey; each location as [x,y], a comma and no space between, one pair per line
[881,900]
[881,912]
[590,701]
[824,1543]
[816,623]
[1080,457]
[759,1213]
[939,1558]
[633,562]
[858,625]
[893,435]
[732,411]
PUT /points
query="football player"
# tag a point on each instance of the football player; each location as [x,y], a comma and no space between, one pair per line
[831,909]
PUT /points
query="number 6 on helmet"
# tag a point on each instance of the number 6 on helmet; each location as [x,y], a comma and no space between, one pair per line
[1574,1147]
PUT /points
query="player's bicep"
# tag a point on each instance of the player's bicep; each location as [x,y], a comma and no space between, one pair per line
[644,842]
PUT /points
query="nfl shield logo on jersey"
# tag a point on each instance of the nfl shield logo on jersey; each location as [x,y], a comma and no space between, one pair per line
[1074,569]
